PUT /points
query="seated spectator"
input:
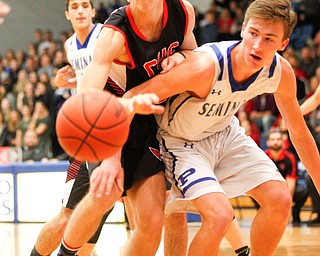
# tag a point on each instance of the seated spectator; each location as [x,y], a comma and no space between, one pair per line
[264,112]
[250,127]
[12,126]
[26,97]
[287,166]
[41,123]
[31,150]
[209,29]
[23,124]
[3,130]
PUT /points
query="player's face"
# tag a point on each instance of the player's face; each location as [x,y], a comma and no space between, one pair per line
[262,39]
[80,13]
[275,141]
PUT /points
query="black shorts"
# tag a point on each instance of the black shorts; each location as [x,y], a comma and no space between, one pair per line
[141,154]
[80,187]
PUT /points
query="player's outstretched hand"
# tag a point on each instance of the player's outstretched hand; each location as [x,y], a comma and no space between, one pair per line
[144,104]
[65,77]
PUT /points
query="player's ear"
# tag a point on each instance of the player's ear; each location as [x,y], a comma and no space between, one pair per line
[67,15]
[93,13]
[284,44]
[242,29]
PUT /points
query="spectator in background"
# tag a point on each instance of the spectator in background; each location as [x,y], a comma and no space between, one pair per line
[302,83]
[225,22]
[251,129]
[31,150]
[3,130]
[37,39]
[264,112]
[102,13]
[45,45]
[287,166]
[302,33]
[209,29]
[26,97]
[20,84]
[307,63]
[12,126]
[41,123]
[45,65]
[23,124]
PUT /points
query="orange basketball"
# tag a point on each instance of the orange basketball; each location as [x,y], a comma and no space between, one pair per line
[92,126]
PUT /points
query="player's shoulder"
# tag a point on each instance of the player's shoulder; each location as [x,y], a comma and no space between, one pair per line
[287,70]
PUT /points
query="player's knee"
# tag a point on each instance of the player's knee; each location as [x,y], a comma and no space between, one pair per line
[63,218]
[154,223]
[217,220]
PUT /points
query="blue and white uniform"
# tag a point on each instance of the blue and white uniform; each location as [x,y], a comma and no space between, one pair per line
[203,146]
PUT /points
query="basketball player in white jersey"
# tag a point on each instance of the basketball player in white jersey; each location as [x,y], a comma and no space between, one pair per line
[208,157]
[79,49]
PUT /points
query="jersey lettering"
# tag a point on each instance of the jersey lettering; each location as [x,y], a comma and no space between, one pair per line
[164,53]
[183,177]
[217,109]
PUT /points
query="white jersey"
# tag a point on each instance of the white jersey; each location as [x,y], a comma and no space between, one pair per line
[193,119]
[80,55]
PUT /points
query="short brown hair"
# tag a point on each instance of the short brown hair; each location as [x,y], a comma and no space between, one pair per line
[67,4]
[275,10]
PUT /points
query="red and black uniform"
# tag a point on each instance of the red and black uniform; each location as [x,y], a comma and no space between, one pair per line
[140,154]
[286,163]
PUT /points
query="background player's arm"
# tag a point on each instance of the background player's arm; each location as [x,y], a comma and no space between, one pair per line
[311,103]
[299,133]
[110,46]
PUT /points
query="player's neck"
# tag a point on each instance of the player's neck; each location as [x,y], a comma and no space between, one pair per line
[82,34]
[149,21]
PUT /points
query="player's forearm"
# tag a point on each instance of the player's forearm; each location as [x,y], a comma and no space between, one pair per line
[308,106]
[94,77]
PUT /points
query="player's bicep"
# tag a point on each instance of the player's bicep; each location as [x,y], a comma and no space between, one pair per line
[109,46]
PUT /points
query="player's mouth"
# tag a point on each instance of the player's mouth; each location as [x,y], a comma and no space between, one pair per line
[255,57]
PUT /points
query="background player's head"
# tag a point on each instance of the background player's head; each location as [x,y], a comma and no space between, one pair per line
[69,1]
[274,11]
[80,13]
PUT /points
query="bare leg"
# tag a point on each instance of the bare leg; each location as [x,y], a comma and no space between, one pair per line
[175,234]
[87,216]
[51,233]
[234,236]
[128,209]
[216,216]
[147,199]
[271,219]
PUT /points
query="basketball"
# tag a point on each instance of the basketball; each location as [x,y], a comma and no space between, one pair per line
[92,126]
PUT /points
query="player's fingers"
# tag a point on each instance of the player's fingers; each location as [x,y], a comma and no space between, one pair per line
[109,183]
[158,109]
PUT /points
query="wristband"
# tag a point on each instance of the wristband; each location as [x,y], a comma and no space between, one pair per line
[184,56]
